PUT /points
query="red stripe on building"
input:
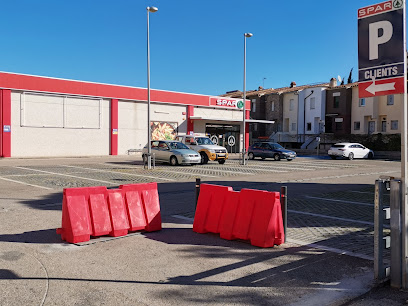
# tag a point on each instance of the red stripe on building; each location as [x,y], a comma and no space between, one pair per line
[190,122]
[44,84]
[5,120]
[114,122]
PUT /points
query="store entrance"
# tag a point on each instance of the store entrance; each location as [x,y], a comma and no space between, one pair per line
[225,135]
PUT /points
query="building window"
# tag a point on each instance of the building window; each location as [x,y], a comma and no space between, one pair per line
[390,100]
[312,103]
[292,104]
[357,125]
[309,126]
[253,105]
[361,102]
[394,124]
[336,102]
[339,126]
[293,128]
[273,106]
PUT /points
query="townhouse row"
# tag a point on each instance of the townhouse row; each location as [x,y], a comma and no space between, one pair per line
[301,114]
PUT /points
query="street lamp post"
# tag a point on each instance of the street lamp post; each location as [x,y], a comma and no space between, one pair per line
[150,9]
[244,98]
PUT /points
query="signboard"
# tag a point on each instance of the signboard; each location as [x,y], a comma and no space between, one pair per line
[6,128]
[381,49]
[227,102]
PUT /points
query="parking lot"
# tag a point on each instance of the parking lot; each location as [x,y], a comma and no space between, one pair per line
[330,203]
[330,211]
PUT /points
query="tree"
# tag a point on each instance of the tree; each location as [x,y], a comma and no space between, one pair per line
[350,79]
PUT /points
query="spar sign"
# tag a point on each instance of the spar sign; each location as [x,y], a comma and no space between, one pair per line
[227,102]
[381,35]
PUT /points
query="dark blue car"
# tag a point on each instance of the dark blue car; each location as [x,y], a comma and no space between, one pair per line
[270,150]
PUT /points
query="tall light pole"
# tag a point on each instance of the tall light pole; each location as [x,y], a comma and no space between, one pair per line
[150,9]
[244,98]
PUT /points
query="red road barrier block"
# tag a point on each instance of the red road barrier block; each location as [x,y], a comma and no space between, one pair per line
[150,205]
[209,208]
[118,213]
[253,215]
[97,211]
[76,219]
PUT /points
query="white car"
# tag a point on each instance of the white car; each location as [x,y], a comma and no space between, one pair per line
[350,150]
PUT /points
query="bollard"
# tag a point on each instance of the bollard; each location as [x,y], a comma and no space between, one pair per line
[197,190]
[284,205]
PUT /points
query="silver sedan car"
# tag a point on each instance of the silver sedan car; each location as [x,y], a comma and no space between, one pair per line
[173,152]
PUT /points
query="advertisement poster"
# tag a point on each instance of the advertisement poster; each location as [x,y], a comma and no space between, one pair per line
[163,130]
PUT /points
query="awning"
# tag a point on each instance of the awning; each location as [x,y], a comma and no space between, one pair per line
[230,120]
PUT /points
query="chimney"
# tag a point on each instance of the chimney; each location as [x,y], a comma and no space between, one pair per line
[293,84]
[333,82]
[260,88]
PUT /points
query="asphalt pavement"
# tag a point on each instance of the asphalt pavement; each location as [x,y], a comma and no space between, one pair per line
[175,266]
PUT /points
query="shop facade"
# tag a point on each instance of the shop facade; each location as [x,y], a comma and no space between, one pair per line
[42,116]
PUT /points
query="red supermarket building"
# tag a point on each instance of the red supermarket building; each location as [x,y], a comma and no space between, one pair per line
[42,116]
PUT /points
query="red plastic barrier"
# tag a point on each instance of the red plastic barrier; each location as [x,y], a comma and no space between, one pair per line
[149,203]
[252,215]
[97,211]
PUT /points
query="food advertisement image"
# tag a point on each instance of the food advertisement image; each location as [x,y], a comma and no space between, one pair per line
[163,130]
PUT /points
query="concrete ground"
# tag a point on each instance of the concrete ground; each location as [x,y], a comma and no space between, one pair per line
[327,259]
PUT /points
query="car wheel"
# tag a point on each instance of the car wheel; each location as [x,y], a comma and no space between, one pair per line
[204,158]
[276,157]
[370,155]
[173,161]
[251,155]
[351,156]
[333,157]
[221,161]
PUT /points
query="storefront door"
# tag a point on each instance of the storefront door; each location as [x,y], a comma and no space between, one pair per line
[224,135]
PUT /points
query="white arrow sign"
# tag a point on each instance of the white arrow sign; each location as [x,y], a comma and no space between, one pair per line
[373,88]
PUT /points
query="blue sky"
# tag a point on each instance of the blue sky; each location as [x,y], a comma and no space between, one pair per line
[196,45]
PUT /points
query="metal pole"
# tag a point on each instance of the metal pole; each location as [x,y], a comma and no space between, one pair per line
[244,112]
[149,148]
[404,170]
[284,206]
[197,190]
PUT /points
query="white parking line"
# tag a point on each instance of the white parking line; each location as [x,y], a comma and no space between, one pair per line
[343,201]
[116,172]
[67,175]
[329,217]
[18,182]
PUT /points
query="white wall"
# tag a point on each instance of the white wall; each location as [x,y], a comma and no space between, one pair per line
[219,113]
[58,125]
[132,128]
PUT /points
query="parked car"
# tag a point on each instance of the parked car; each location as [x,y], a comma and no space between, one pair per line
[173,152]
[270,150]
[205,147]
[350,150]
